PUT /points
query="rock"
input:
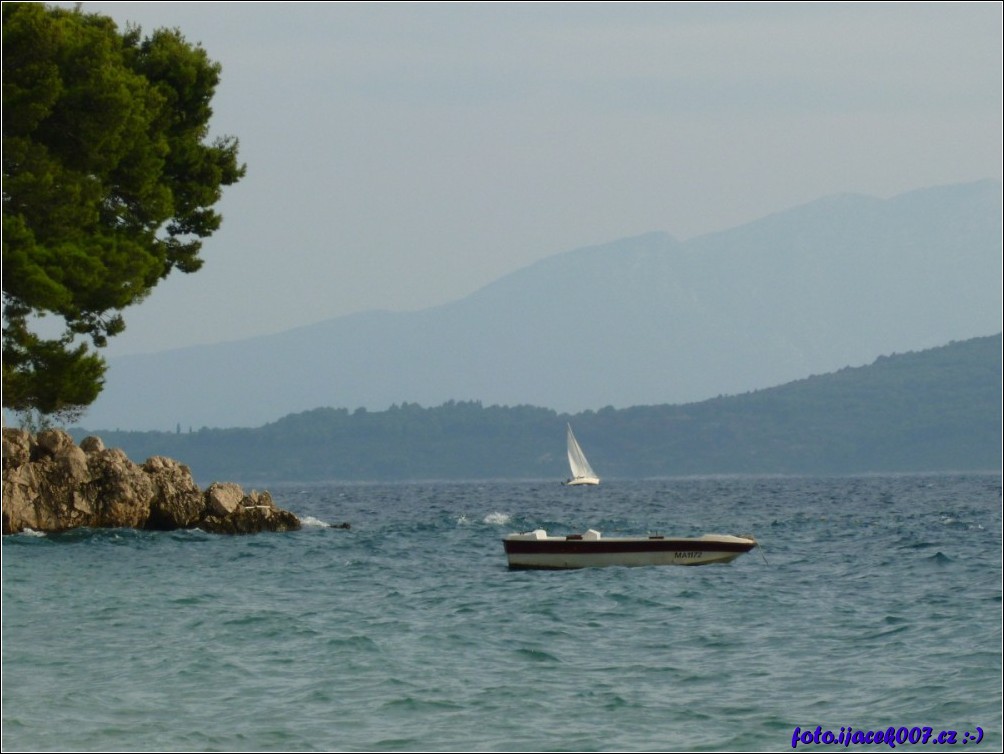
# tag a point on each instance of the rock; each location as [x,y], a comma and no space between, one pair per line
[73,463]
[52,441]
[92,445]
[51,490]
[18,446]
[252,512]
[223,499]
[249,520]
[32,499]
[120,491]
[50,485]
[177,500]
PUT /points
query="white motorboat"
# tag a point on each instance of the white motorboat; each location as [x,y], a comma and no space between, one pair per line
[535,549]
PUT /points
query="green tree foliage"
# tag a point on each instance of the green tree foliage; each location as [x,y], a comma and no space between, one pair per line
[109,183]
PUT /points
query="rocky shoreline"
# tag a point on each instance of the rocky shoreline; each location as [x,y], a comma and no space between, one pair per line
[51,484]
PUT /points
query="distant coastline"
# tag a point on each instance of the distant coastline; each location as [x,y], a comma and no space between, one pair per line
[932,410]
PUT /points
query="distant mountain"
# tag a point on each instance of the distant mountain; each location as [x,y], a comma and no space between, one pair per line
[640,321]
[934,410]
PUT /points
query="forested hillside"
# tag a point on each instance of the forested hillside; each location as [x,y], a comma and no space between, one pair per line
[933,410]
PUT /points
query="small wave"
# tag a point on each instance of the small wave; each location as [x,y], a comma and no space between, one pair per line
[410,703]
[497,518]
[311,521]
[354,643]
[950,521]
[536,655]
[462,520]
[885,633]
[32,533]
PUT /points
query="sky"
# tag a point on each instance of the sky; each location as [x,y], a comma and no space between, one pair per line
[403,155]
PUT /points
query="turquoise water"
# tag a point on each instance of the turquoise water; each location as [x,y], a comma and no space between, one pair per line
[875,603]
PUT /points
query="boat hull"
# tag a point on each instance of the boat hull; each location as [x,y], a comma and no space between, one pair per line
[531,550]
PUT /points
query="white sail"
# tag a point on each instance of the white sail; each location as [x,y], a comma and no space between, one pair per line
[582,472]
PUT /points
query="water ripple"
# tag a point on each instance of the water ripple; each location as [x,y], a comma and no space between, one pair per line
[880,606]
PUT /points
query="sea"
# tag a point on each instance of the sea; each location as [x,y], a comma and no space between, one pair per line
[868,620]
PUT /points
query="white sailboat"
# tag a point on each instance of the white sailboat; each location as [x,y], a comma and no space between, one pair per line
[582,472]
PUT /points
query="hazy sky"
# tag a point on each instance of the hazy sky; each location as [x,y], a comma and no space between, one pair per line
[402,155]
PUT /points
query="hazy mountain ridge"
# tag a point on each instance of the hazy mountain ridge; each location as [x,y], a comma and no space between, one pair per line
[639,321]
[934,410]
